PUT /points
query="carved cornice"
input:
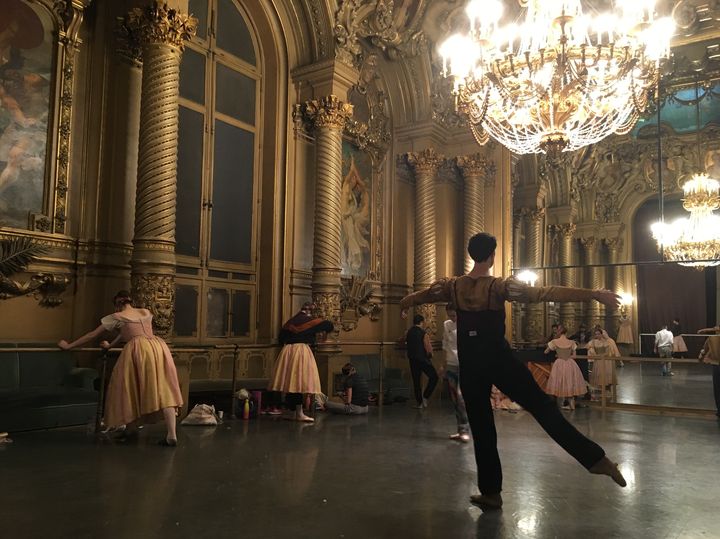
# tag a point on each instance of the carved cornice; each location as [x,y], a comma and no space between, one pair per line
[426,161]
[158,24]
[328,112]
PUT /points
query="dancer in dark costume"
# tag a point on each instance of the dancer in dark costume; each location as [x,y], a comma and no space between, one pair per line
[486,359]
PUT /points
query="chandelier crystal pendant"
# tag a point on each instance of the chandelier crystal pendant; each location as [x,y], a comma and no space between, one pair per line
[560,80]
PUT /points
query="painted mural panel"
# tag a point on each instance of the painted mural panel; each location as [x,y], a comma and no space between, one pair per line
[26,56]
[356,202]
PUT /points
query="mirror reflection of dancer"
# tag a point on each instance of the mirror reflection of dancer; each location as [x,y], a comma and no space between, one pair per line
[451,373]
[144,383]
[486,359]
[295,371]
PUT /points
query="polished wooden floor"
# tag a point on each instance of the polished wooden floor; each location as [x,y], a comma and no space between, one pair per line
[393,474]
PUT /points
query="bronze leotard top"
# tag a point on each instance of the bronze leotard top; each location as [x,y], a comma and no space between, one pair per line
[491,293]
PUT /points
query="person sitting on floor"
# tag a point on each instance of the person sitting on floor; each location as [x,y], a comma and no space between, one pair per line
[355,394]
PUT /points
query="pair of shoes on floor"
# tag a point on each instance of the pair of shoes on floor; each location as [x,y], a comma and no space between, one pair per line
[165,442]
[607,467]
[463,437]
[487,502]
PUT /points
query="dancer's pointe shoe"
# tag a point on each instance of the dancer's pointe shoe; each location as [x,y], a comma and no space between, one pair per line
[167,442]
[606,467]
[302,418]
[487,502]
[460,437]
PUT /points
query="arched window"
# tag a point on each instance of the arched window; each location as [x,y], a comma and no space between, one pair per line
[220,79]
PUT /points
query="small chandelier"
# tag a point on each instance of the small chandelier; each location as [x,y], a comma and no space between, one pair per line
[560,80]
[693,241]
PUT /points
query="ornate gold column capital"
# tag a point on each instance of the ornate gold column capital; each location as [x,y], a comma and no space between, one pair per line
[328,112]
[567,230]
[157,24]
[535,216]
[590,243]
[614,245]
[472,166]
[426,161]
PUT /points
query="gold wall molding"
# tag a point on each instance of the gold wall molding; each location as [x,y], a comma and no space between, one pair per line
[328,112]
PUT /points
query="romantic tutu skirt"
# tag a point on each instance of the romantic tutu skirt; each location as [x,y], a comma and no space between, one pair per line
[295,371]
[143,382]
[566,379]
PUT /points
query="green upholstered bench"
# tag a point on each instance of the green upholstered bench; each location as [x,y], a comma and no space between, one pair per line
[42,390]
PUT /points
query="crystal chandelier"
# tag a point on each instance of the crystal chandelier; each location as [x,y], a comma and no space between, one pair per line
[693,241]
[560,80]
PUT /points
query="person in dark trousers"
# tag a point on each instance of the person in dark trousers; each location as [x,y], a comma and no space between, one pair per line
[355,394]
[419,352]
[486,359]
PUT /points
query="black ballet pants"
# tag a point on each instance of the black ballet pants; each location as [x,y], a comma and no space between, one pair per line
[417,367]
[481,366]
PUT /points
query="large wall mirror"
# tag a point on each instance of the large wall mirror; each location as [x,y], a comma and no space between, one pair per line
[586,220]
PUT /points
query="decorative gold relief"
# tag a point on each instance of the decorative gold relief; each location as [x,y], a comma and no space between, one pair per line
[356,302]
[16,253]
[426,161]
[429,311]
[157,294]
[327,306]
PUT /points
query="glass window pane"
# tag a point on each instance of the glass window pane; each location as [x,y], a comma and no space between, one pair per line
[186,297]
[241,313]
[189,182]
[192,76]
[199,10]
[233,201]
[235,94]
[233,35]
[217,312]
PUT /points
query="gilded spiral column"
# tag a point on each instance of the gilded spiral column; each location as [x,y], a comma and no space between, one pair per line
[591,246]
[616,281]
[518,309]
[535,327]
[567,275]
[328,116]
[159,33]
[473,168]
[425,164]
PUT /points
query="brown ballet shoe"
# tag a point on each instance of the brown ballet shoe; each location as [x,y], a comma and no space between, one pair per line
[487,502]
[606,467]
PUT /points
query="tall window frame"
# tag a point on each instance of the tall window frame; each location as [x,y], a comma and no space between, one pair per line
[204,281]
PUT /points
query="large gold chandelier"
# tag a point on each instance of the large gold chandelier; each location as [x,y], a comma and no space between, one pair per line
[560,80]
[693,241]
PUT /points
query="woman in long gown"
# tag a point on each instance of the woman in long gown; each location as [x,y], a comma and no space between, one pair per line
[566,380]
[144,384]
[603,370]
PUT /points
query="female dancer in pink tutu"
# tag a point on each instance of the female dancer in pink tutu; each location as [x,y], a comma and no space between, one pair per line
[566,379]
[144,384]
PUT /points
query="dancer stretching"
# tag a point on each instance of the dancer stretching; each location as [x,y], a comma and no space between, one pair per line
[144,384]
[295,371]
[486,359]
